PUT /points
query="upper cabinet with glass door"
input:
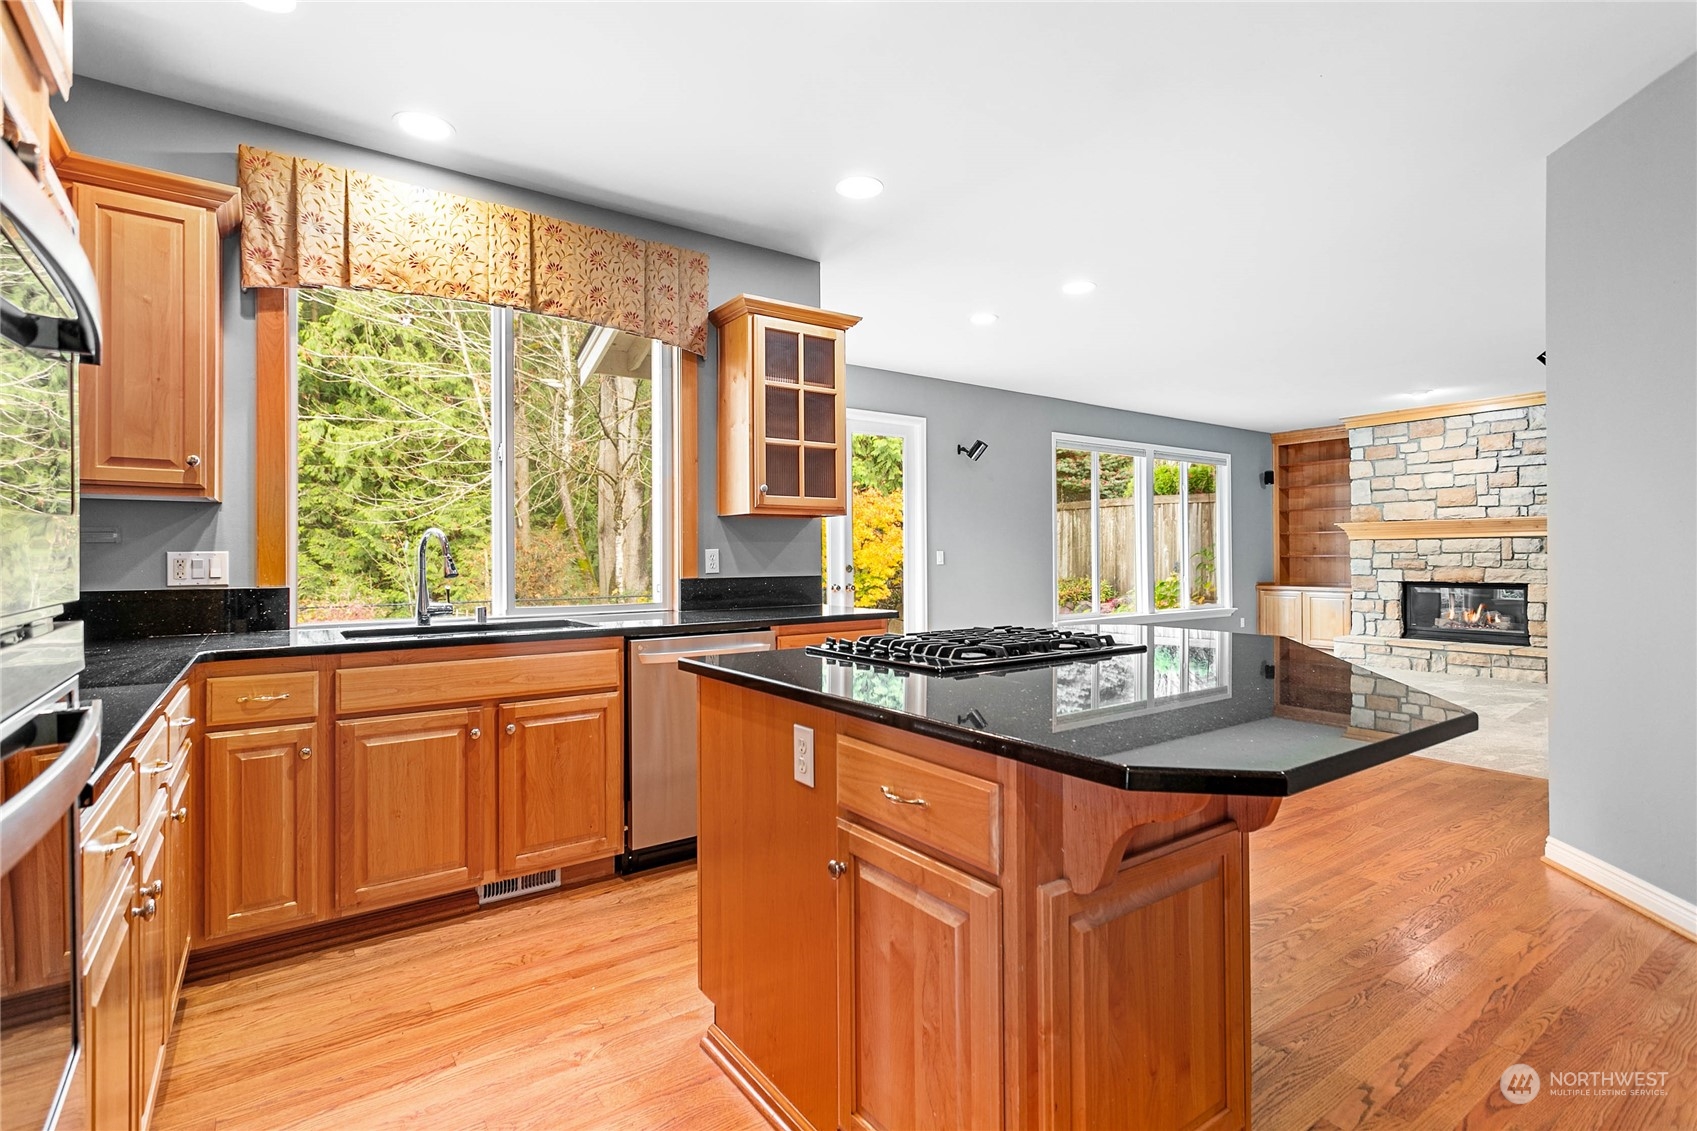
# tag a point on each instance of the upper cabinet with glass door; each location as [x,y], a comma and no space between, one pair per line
[783,443]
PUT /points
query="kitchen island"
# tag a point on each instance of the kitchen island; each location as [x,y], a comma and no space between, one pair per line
[1015,899]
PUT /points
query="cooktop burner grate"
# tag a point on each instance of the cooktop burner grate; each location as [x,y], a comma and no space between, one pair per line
[958,650]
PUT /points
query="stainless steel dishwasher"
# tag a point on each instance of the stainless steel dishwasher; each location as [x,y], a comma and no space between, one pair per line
[663,755]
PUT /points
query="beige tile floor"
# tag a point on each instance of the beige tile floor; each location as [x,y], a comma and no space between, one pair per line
[1514,722]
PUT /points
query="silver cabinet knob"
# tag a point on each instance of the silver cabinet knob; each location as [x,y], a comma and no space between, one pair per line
[193,461]
[180,814]
[157,887]
[306,752]
[477,732]
[148,909]
[836,868]
[511,729]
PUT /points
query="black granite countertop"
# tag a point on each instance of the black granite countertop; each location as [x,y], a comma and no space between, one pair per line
[131,677]
[1199,712]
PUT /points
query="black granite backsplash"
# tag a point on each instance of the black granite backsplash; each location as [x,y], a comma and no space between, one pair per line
[137,614]
[749,592]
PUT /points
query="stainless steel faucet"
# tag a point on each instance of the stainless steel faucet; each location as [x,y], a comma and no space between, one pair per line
[426,607]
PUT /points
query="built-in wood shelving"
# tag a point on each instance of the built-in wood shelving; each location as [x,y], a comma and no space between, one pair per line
[1311,485]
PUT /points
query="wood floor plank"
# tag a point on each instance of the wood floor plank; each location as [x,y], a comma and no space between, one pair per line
[1408,945]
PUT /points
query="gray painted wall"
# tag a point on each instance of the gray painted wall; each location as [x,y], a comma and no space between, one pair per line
[126,125]
[1621,310]
[993,518]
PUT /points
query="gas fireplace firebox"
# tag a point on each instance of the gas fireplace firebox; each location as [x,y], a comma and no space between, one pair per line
[1478,614]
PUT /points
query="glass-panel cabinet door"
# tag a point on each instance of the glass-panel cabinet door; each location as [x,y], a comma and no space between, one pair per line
[800,410]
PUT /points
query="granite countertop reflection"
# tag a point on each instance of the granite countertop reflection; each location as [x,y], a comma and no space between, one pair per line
[1199,712]
[131,677]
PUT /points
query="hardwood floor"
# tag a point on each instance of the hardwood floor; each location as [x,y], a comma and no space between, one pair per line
[1408,946]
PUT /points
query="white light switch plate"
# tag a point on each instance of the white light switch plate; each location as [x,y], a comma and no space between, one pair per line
[804,755]
[197,567]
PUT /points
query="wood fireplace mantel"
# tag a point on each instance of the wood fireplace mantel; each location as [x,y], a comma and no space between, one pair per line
[1537,527]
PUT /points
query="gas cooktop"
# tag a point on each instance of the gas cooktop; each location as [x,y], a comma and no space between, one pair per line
[957,651]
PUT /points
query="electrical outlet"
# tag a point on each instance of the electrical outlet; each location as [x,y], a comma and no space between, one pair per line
[1241,621]
[804,755]
[712,563]
[198,567]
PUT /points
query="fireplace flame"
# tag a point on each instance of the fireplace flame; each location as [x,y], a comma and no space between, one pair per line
[1472,615]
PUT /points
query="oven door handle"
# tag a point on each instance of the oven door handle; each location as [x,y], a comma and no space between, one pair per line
[674,657]
[26,818]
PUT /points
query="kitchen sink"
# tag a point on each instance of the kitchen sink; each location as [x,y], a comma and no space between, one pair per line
[485,629]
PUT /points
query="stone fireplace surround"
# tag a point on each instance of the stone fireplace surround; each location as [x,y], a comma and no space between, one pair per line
[1458,498]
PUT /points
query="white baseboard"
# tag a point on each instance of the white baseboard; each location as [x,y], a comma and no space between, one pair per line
[1663,906]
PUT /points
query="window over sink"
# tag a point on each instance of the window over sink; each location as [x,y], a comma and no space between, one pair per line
[531,440]
[1140,531]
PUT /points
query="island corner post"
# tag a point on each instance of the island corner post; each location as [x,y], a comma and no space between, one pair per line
[936,936]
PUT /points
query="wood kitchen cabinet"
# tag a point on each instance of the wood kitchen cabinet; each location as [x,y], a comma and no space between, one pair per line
[152,957]
[561,785]
[1013,947]
[1312,615]
[265,836]
[409,806]
[109,1013]
[152,410]
[919,993]
[783,440]
[807,635]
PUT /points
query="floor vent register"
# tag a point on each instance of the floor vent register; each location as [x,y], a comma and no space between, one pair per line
[518,885]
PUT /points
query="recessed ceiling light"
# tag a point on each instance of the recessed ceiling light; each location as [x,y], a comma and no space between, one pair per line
[1077,287]
[1418,394]
[278,6]
[984,318]
[859,187]
[427,126]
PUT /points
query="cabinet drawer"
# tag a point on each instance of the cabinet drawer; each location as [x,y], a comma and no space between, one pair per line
[178,718]
[155,760]
[392,687]
[109,837]
[241,700]
[929,805]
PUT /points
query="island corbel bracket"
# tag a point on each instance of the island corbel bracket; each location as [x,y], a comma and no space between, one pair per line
[1100,822]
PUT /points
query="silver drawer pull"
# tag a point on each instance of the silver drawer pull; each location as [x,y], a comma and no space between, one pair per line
[261,698]
[158,767]
[125,838]
[185,721]
[896,798]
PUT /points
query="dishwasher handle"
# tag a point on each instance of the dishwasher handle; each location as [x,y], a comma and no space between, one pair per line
[674,657]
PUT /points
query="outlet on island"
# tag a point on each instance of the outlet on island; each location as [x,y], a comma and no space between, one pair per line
[197,567]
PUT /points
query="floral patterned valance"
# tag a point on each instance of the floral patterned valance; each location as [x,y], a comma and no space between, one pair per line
[308,224]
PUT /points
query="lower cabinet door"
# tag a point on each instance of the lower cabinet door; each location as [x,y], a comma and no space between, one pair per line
[178,908]
[560,781]
[1326,618]
[1146,1005]
[408,806]
[919,995]
[109,1009]
[153,980]
[1280,613]
[263,829]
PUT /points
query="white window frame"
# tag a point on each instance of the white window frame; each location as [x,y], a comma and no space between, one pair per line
[1148,454]
[502,345]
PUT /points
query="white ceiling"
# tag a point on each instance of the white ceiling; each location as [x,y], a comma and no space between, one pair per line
[1292,211]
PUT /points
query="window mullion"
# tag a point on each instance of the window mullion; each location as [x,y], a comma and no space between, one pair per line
[503,348]
[1096,533]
